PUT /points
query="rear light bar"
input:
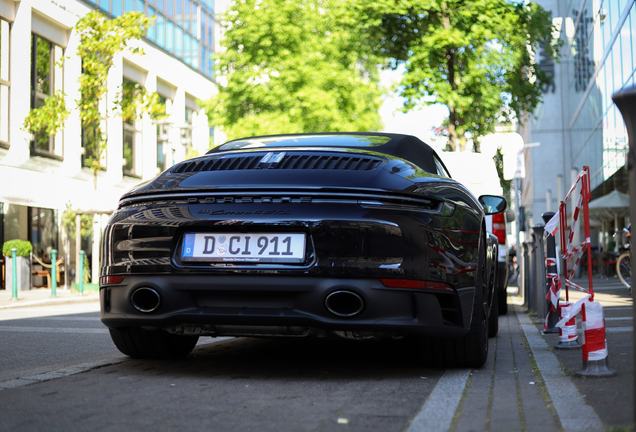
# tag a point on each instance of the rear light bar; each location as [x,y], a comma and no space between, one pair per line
[111,279]
[416,284]
[499,227]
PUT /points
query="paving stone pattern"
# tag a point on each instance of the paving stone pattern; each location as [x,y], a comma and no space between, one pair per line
[506,395]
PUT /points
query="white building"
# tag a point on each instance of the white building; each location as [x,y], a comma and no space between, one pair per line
[40,177]
[577,124]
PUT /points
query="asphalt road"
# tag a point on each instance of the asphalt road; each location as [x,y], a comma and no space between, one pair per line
[230,384]
[59,371]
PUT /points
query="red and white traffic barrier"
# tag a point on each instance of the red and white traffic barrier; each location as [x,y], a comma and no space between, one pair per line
[594,341]
[568,332]
[594,344]
[553,293]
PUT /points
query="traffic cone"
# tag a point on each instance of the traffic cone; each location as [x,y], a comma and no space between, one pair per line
[568,334]
[594,343]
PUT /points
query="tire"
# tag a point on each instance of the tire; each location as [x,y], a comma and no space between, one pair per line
[154,344]
[493,287]
[493,319]
[475,343]
[470,350]
[503,301]
[624,270]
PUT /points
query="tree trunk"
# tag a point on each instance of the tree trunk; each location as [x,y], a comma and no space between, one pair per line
[453,137]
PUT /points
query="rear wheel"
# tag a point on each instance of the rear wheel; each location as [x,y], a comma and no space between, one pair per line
[141,343]
[493,288]
[502,294]
[470,350]
[493,319]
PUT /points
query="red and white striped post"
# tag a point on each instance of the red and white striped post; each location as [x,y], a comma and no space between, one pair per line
[568,333]
[594,344]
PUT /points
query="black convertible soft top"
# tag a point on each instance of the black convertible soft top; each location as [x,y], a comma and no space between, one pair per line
[403,146]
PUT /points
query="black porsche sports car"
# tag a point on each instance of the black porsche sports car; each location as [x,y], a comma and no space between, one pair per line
[351,235]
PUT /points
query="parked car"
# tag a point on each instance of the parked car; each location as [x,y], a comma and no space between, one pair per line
[350,235]
[485,181]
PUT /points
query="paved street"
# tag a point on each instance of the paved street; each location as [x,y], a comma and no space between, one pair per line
[60,371]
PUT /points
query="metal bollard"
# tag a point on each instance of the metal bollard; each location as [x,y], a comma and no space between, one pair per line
[54,273]
[14,268]
[539,281]
[525,262]
[81,273]
[532,273]
[550,247]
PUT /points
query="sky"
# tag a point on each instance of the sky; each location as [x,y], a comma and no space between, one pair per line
[419,123]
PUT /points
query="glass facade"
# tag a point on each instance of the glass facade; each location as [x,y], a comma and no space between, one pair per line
[184,28]
[600,49]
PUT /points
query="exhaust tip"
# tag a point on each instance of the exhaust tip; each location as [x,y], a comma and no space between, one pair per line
[344,303]
[145,299]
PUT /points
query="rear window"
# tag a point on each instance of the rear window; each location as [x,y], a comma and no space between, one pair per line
[364,141]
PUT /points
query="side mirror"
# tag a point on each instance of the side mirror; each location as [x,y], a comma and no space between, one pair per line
[510,215]
[493,204]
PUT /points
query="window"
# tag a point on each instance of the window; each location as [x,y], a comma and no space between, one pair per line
[94,152]
[4,83]
[186,133]
[132,138]
[152,29]
[43,231]
[440,168]
[129,147]
[164,149]
[160,24]
[90,148]
[44,82]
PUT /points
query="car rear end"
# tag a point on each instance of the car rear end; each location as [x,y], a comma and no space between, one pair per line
[346,245]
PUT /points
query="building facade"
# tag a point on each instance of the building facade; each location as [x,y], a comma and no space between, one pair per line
[41,175]
[577,124]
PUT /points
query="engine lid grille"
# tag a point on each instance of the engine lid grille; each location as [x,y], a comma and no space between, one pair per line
[280,160]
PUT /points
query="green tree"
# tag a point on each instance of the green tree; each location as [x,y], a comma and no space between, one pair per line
[101,39]
[295,66]
[474,56]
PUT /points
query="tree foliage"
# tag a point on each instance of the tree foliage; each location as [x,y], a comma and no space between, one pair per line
[134,98]
[50,117]
[474,56]
[295,66]
[101,40]
[69,220]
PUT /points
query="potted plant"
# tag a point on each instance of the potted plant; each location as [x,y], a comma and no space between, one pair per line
[23,263]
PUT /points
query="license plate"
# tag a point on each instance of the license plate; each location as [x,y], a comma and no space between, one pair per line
[246,248]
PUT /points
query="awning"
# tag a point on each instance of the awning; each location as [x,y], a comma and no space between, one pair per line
[611,206]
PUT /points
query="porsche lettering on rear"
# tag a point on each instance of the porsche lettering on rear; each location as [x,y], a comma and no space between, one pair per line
[239,212]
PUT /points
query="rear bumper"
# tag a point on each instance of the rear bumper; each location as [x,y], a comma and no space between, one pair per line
[198,301]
